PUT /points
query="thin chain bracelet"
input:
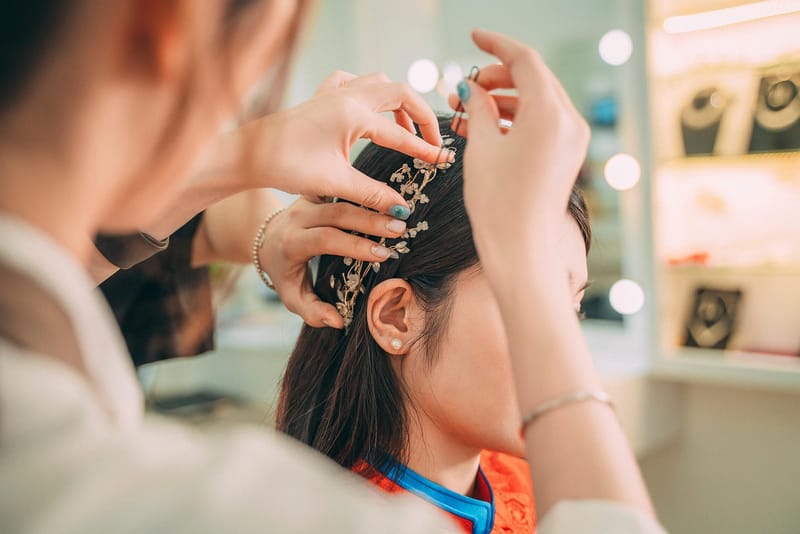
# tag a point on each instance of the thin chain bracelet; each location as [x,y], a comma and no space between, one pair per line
[554,404]
[258,242]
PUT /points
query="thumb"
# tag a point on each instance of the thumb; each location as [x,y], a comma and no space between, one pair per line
[481,108]
[319,314]
[302,300]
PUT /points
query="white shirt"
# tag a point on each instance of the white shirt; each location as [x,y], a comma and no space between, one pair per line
[80,455]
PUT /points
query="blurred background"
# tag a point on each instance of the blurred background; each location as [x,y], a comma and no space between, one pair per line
[693,182]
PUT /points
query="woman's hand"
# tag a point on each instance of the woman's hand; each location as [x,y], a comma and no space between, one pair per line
[517,181]
[306,149]
[306,230]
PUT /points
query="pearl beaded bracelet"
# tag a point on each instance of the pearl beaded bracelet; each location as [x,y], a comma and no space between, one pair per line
[258,242]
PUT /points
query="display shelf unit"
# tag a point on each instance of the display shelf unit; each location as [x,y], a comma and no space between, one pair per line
[725,218]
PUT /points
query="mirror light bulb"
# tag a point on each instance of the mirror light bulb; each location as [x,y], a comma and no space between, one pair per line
[622,171]
[616,47]
[626,297]
[423,75]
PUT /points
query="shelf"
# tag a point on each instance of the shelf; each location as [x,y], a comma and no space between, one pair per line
[736,210]
[783,157]
[765,270]
[756,42]
[661,11]
[736,69]
[733,368]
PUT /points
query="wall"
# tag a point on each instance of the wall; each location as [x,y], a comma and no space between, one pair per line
[364,36]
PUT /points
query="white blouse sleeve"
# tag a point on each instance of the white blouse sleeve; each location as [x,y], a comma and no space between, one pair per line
[576,517]
[65,468]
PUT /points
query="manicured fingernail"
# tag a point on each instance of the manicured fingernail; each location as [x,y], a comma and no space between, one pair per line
[330,323]
[399,211]
[451,155]
[462,89]
[381,252]
[396,226]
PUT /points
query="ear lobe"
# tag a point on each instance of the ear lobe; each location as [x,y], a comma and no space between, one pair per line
[389,312]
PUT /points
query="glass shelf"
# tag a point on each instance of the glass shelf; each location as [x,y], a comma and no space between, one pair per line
[763,270]
[728,70]
[729,367]
[755,159]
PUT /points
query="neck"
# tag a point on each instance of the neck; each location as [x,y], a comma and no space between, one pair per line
[441,458]
[42,191]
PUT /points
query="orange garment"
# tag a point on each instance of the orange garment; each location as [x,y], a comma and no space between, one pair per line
[509,487]
[510,478]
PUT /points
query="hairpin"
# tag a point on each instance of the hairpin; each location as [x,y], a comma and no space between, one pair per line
[459,114]
[411,181]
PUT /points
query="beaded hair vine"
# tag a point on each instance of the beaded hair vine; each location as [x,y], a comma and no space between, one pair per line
[411,180]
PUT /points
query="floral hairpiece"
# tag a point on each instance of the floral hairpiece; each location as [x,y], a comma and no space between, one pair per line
[412,180]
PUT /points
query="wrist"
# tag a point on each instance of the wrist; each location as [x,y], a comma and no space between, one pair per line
[258,245]
[253,152]
[232,162]
[515,271]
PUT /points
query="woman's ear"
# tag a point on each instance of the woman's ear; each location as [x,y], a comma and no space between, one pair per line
[155,42]
[391,310]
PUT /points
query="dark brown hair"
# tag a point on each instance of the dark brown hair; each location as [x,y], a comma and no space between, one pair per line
[30,30]
[27,29]
[340,394]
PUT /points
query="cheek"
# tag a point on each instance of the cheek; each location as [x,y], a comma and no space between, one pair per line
[261,43]
[471,395]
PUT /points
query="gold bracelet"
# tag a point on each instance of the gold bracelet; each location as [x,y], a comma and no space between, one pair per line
[258,242]
[554,404]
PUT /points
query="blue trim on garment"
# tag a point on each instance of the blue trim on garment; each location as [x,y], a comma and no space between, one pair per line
[480,513]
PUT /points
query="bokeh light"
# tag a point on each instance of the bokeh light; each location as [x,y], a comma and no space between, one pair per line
[622,171]
[616,47]
[423,75]
[626,297]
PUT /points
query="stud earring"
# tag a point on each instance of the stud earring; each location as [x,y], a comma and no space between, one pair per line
[396,344]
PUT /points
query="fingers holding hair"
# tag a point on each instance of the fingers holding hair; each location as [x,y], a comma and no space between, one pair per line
[401,117]
[400,96]
[304,302]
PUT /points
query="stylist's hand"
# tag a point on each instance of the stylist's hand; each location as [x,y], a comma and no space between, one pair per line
[517,182]
[307,229]
[306,149]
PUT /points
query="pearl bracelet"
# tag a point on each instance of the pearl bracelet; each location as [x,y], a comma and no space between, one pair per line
[258,242]
[554,404]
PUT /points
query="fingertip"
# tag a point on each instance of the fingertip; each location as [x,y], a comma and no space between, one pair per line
[453,101]
[476,35]
[403,119]
[479,105]
[370,193]
[431,134]
[321,315]
[463,92]
[400,211]
[461,128]
[333,320]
